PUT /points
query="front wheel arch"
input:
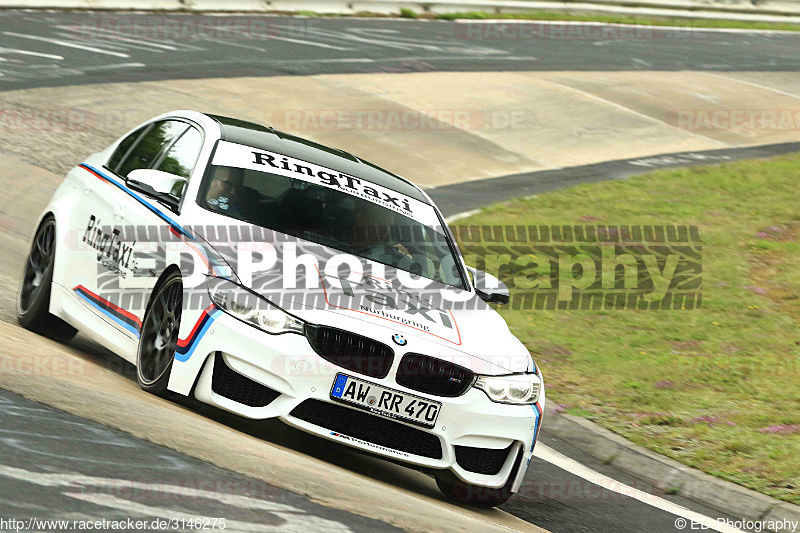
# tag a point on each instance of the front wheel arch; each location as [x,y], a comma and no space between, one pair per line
[158,340]
[161,279]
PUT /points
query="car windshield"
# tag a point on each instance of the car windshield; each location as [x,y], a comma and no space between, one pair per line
[326,215]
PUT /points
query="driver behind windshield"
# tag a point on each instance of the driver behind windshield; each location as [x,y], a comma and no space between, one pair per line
[375,235]
[333,218]
[224,190]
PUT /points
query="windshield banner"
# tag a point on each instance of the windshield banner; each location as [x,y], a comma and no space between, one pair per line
[237,155]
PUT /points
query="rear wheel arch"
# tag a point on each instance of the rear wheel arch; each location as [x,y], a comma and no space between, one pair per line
[36,280]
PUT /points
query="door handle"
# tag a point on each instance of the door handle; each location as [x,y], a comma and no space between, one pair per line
[119,212]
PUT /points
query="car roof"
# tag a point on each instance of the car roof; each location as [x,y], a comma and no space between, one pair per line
[267,138]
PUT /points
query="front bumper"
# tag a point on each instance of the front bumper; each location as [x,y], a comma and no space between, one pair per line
[289,366]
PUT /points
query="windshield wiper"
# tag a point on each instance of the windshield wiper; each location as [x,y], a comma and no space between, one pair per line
[325,240]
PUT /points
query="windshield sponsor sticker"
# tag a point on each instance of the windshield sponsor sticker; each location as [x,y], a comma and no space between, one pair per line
[381,299]
[237,155]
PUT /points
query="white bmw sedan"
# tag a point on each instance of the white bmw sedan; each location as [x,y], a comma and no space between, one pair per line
[273,277]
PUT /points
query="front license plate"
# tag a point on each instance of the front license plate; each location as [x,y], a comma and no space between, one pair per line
[385,402]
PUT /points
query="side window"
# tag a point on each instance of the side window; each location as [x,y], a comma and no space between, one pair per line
[150,146]
[123,148]
[181,157]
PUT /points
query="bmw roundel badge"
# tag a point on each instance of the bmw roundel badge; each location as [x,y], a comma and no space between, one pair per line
[399,339]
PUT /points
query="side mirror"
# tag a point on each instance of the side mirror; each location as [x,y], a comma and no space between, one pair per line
[159,184]
[489,288]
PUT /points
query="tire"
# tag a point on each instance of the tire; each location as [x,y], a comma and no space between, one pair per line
[159,336]
[455,489]
[33,297]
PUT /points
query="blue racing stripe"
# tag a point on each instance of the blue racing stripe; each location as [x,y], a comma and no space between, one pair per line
[107,313]
[186,348]
[537,415]
[212,262]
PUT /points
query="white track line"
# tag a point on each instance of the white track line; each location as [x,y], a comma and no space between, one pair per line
[110,34]
[114,66]
[752,84]
[308,43]
[234,44]
[459,216]
[634,112]
[115,42]
[611,103]
[111,44]
[68,44]
[29,53]
[297,41]
[572,466]
[333,60]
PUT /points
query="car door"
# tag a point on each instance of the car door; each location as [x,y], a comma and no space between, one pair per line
[108,241]
[161,229]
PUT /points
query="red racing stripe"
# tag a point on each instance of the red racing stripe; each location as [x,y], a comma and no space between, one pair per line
[110,306]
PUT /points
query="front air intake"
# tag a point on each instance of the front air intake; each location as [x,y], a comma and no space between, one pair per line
[481,460]
[228,383]
[433,376]
[370,428]
[351,351]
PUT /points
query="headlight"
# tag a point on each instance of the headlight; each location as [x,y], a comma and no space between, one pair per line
[519,389]
[251,308]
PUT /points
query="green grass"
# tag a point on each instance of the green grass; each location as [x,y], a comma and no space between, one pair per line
[697,385]
[408,13]
[622,19]
[567,16]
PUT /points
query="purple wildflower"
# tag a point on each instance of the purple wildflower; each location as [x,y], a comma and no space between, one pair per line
[781,429]
[757,290]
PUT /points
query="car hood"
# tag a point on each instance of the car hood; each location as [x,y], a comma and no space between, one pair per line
[436,320]
[405,320]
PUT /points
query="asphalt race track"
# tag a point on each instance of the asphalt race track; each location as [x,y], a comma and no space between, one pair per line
[58,465]
[305,46]
[462,198]
[76,465]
